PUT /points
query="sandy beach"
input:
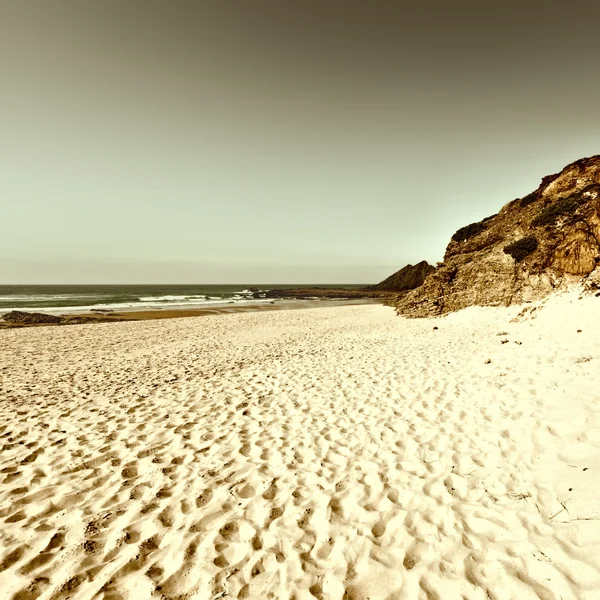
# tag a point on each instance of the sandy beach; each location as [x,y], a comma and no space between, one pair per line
[106,316]
[332,453]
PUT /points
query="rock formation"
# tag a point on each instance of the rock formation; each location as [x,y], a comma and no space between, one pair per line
[318,292]
[535,244]
[17,316]
[407,278]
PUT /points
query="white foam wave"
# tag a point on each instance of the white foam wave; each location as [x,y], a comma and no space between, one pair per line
[170,298]
[133,306]
[46,297]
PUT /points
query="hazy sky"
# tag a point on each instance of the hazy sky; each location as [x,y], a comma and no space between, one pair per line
[277,141]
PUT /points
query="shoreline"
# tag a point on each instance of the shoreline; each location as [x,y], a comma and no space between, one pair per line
[261,456]
[119,316]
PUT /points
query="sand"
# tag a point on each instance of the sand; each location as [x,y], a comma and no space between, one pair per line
[326,453]
[104,316]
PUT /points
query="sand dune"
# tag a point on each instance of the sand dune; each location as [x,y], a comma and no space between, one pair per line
[328,453]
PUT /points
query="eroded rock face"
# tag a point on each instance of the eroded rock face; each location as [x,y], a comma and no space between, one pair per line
[535,244]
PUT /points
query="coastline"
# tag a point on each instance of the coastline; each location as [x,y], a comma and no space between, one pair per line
[105,316]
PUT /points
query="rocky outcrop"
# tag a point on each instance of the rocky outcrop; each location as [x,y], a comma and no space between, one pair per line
[17,316]
[407,278]
[535,244]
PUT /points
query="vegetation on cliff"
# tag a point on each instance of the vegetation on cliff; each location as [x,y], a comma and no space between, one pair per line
[469,231]
[522,248]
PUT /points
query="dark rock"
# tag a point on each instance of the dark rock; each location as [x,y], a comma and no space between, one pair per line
[407,278]
[17,316]
[79,319]
[318,292]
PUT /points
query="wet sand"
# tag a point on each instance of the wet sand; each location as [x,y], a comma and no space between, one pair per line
[105,316]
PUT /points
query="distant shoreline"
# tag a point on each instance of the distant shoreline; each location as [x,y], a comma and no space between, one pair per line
[59,300]
[170,313]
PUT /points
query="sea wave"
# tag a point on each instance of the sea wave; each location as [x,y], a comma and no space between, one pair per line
[170,298]
[48,297]
[136,305]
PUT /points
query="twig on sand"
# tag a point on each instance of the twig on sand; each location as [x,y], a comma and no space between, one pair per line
[520,495]
[548,559]
[564,507]
[580,519]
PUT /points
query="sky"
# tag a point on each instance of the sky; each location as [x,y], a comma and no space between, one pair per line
[277,141]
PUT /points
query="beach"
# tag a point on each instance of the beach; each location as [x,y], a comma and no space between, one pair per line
[78,318]
[332,453]
[22,306]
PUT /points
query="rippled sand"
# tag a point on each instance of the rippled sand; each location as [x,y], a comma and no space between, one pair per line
[326,453]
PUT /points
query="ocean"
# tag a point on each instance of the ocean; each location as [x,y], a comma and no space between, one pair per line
[86,298]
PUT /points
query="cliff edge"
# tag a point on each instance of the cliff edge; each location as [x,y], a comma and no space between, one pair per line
[534,245]
[407,278]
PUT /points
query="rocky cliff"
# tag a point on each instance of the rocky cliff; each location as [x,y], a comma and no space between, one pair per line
[407,278]
[535,244]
